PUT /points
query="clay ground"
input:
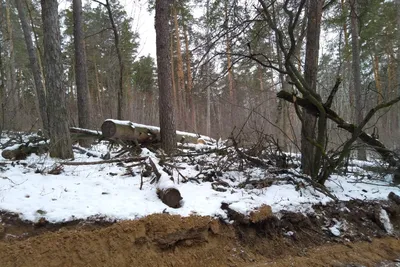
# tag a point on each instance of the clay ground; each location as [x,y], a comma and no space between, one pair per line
[165,240]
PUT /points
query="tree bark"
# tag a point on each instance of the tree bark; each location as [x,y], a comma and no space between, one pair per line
[356,66]
[167,121]
[309,153]
[398,45]
[378,85]
[60,140]
[231,89]
[283,109]
[180,74]
[175,94]
[36,38]
[189,86]
[2,89]
[34,65]
[11,94]
[81,78]
[207,72]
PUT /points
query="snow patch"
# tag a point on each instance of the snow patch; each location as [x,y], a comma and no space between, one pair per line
[385,220]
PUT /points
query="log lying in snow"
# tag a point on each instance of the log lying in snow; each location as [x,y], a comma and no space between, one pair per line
[80,133]
[170,197]
[20,152]
[166,190]
[127,130]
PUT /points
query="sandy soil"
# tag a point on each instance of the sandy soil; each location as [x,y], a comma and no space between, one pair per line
[166,240]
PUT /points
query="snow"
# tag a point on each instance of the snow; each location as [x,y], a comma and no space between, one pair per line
[384,218]
[108,190]
[336,228]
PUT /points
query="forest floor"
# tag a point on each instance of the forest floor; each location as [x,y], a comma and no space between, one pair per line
[235,212]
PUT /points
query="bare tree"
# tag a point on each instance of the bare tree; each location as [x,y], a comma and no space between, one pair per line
[34,65]
[167,120]
[60,139]
[120,61]
[81,79]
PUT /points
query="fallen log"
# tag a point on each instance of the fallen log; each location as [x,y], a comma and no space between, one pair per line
[166,190]
[81,163]
[21,152]
[127,130]
[80,133]
[386,154]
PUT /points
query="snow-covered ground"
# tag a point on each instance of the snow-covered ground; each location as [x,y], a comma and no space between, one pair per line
[108,190]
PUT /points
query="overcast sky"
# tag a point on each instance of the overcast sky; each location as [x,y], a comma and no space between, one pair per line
[143,23]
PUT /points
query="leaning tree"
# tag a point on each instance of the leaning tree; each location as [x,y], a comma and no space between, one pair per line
[322,163]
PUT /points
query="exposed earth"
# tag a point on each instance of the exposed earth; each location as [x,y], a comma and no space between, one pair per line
[260,239]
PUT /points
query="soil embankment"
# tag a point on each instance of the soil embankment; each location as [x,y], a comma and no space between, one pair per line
[262,239]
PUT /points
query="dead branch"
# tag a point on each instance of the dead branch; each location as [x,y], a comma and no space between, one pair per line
[217,150]
[125,160]
[156,172]
[243,155]
[317,186]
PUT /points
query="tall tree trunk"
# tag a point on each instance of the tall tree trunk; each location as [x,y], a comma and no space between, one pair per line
[180,73]
[388,121]
[346,72]
[97,94]
[35,35]
[11,78]
[356,66]
[175,94]
[34,65]
[229,66]
[309,154]
[81,79]
[282,114]
[167,121]
[189,86]
[207,73]
[60,140]
[121,91]
[2,89]
[398,45]
[378,85]
[398,58]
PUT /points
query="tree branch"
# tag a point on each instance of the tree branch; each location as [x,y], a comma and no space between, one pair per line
[387,155]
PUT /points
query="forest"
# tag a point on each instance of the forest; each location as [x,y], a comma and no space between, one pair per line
[258,132]
[234,64]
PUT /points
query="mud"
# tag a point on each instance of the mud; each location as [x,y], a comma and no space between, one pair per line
[261,239]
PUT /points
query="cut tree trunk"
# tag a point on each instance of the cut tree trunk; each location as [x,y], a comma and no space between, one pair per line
[80,133]
[126,130]
[170,197]
[166,191]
